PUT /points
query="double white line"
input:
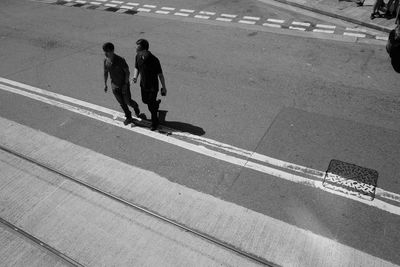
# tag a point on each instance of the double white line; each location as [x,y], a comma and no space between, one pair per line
[208,147]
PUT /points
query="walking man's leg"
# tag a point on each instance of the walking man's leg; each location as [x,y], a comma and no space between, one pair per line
[119,96]
[126,94]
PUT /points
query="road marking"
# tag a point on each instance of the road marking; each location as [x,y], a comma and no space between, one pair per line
[181,14]
[272,25]
[111,5]
[132,4]
[354,34]
[384,38]
[224,19]
[127,7]
[162,12]
[205,141]
[143,9]
[81,2]
[186,10]
[276,20]
[297,28]
[149,6]
[247,22]
[168,8]
[95,3]
[301,23]
[251,18]
[102,0]
[323,31]
[116,2]
[207,13]
[201,17]
[228,16]
[325,26]
[355,29]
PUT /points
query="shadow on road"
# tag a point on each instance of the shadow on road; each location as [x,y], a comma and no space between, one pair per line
[396,65]
[179,126]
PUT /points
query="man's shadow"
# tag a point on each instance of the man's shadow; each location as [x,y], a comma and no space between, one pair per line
[179,126]
[396,65]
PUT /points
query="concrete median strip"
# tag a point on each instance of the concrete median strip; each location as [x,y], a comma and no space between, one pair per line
[204,146]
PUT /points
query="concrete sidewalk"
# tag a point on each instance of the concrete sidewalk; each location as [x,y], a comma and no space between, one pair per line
[346,10]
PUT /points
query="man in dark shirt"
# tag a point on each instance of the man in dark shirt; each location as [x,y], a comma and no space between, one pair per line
[149,68]
[119,72]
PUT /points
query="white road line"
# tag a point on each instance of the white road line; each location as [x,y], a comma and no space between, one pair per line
[297,28]
[224,19]
[272,25]
[384,38]
[207,13]
[127,7]
[149,6]
[276,20]
[102,0]
[247,22]
[201,17]
[132,4]
[181,14]
[361,35]
[111,5]
[377,203]
[301,23]
[228,16]
[326,26]
[168,8]
[323,31]
[143,9]
[116,2]
[95,3]
[355,29]
[81,2]
[251,18]
[162,12]
[186,10]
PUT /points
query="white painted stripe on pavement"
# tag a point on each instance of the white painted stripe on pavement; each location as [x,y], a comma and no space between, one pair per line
[181,14]
[186,10]
[247,22]
[116,2]
[272,25]
[301,23]
[95,3]
[297,28]
[323,31]
[251,18]
[81,2]
[361,35]
[228,16]
[355,29]
[224,19]
[384,38]
[162,12]
[102,0]
[276,20]
[251,155]
[168,8]
[326,26]
[127,7]
[132,4]
[111,5]
[201,17]
[207,13]
[143,9]
[150,6]
[207,152]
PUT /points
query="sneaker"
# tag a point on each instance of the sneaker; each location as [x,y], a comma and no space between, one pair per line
[128,121]
[154,127]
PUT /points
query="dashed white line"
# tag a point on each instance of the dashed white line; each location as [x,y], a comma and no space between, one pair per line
[356,29]
[325,26]
[297,28]
[127,7]
[228,16]
[95,3]
[384,38]
[276,20]
[102,0]
[207,13]
[143,9]
[110,5]
[251,18]
[301,23]
[323,31]
[247,22]
[361,35]
[117,2]
[149,6]
[132,4]
[224,19]
[201,17]
[181,14]
[162,12]
[186,10]
[81,2]
[272,25]
[168,8]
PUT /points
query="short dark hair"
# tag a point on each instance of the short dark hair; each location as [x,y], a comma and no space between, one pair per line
[143,43]
[108,47]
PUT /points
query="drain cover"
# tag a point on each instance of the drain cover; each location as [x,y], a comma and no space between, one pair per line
[351,179]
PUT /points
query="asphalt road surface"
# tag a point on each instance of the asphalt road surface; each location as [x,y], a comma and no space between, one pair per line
[302,98]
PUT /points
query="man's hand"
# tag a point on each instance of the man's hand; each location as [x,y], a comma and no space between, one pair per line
[134,80]
[105,88]
[163,91]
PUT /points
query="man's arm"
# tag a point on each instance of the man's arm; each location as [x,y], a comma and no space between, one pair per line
[163,87]
[135,75]
[105,77]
